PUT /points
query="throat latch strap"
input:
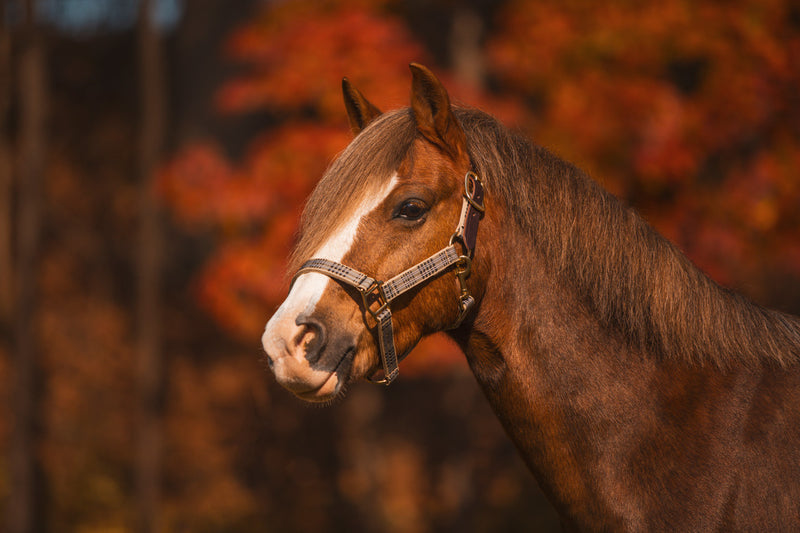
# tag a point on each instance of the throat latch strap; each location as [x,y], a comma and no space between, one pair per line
[377,296]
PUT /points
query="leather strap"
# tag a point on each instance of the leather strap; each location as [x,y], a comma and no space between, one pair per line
[388,353]
[421,272]
[403,282]
[335,270]
[472,210]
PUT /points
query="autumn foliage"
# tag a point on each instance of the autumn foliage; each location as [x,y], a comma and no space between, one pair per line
[687,109]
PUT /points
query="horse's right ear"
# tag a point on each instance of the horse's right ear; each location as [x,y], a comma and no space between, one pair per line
[360,111]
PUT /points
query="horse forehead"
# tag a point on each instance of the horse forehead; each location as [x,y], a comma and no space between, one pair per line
[425,164]
[340,240]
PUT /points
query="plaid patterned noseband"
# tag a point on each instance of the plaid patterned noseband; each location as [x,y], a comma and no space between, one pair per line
[377,295]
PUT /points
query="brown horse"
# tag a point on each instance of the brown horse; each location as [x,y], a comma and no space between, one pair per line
[642,395]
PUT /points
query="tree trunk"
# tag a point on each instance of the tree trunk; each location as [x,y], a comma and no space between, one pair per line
[466,49]
[150,381]
[6,190]
[25,512]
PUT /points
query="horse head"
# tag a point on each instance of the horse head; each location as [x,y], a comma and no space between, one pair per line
[395,201]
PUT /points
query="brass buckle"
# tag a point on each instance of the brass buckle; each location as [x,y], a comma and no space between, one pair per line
[469,194]
[372,294]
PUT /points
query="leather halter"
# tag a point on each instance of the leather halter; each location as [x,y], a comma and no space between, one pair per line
[377,295]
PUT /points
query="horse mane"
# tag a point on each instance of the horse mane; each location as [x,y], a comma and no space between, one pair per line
[629,276]
[632,279]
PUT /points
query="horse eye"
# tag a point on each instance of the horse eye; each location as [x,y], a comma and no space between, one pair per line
[411,210]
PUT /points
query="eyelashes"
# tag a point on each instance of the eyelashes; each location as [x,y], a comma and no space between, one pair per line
[411,210]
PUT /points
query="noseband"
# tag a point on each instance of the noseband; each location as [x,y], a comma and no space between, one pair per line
[377,295]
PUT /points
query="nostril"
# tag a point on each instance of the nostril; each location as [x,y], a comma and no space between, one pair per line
[310,338]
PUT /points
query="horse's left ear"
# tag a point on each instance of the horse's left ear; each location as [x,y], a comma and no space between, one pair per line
[434,116]
[360,111]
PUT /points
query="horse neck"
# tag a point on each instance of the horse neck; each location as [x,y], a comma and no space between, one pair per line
[562,384]
[542,361]
[603,351]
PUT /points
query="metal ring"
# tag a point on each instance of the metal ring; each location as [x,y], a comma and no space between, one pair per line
[469,196]
[464,266]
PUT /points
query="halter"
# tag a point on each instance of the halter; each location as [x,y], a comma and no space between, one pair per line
[377,295]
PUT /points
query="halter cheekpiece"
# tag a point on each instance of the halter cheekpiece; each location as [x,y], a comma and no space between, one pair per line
[377,295]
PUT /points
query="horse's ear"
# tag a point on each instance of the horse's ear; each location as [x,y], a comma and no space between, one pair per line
[434,116]
[360,111]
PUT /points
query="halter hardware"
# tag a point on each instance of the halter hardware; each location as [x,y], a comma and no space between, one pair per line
[383,292]
[372,294]
[465,299]
[476,201]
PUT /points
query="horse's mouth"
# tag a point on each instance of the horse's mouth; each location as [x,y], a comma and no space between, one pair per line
[334,385]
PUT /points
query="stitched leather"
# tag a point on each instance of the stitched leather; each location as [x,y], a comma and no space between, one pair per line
[421,272]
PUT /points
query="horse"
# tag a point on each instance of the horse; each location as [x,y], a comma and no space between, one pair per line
[642,395]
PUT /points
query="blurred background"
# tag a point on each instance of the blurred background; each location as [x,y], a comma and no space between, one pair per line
[154,159]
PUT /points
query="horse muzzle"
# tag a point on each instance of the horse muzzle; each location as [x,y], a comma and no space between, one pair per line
[305,359]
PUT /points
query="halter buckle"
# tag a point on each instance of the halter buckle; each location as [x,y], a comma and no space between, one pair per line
[469,193]
[374,294]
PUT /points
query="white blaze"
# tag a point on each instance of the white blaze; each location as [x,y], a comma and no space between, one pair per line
[309,287]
